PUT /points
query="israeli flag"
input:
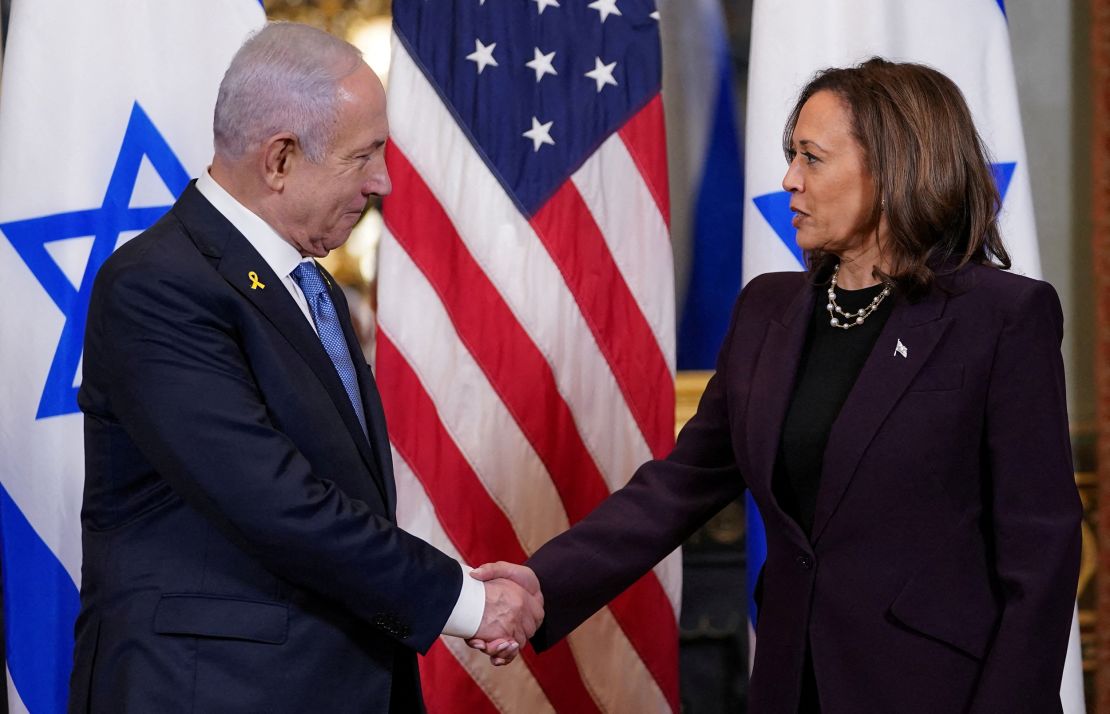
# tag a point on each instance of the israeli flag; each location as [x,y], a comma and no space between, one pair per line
[969,41]
[105,114]
[706,172]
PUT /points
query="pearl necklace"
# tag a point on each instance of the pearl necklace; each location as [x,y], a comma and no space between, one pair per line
[851,319]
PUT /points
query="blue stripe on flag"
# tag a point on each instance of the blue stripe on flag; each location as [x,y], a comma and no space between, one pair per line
[40,606]
[756,539]
[716,270]
[1002,7]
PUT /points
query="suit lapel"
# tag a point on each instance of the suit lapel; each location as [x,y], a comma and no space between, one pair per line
[773,384]
[375,418]
[235,260]
[882,381]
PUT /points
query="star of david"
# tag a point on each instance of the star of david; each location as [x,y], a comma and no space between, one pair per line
[775,208]
[30,237]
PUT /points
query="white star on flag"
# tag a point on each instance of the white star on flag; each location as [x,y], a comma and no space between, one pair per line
[542,5]
[541,64]
[653,16]
[605,8]
[482,55]
[540,134]
[602,73]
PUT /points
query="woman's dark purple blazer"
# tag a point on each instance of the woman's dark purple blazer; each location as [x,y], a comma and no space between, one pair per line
[941,572]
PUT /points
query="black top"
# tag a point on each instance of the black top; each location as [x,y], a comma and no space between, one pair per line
[831,361]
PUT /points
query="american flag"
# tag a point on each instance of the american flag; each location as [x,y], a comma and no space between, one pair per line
[526,325]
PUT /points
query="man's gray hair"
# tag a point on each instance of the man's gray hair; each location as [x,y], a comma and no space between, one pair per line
[285,77]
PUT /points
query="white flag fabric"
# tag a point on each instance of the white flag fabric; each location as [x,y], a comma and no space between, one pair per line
[105,113]
[969,41]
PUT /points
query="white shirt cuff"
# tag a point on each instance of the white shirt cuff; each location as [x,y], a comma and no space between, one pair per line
[466,618]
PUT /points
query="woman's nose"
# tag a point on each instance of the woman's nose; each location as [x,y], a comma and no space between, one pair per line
[792,181]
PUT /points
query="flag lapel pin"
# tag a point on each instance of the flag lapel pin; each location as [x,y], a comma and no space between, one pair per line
[900,350]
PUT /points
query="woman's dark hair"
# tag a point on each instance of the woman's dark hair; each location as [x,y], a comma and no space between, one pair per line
[931,170]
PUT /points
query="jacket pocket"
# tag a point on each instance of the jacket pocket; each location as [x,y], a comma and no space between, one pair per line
[219,616]
[951,598]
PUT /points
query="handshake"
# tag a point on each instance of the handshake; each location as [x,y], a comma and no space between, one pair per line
[514,610]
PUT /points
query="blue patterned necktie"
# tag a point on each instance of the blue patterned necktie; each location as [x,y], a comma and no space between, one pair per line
[328,328]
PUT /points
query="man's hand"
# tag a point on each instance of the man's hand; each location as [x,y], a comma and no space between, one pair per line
[522,575]
[514,610]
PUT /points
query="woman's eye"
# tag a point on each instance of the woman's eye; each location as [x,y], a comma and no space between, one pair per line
[791,154]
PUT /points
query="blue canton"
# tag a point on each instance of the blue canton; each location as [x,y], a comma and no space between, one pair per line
[537,85]
[775,208]
[105,224]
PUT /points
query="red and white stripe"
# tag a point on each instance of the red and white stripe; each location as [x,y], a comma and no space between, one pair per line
[527,369]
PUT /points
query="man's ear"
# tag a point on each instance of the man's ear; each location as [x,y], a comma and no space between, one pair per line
[280,153]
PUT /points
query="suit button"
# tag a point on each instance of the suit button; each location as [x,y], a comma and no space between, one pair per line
[804,562]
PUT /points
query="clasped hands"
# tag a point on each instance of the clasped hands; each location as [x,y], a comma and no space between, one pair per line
[514,610]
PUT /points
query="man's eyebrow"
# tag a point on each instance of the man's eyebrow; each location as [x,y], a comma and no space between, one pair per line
[376,144]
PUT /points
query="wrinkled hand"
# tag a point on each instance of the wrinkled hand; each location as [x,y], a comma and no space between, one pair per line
[514,610]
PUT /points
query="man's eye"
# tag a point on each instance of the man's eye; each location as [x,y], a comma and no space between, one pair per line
[810,158]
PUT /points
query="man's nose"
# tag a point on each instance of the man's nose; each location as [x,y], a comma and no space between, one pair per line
[378,183]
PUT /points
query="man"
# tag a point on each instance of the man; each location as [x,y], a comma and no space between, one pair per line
[240,546]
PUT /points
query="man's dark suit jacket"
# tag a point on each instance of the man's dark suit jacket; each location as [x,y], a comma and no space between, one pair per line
[941,572]
[240,550]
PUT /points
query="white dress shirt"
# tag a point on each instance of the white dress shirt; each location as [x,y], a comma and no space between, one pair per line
[283,258]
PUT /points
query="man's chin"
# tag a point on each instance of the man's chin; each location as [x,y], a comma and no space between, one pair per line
[328,245]
[313,250]
[320,247]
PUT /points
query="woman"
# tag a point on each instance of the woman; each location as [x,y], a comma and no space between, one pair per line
[898,414]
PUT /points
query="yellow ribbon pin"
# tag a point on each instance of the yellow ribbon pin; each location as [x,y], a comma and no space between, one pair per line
[255,284]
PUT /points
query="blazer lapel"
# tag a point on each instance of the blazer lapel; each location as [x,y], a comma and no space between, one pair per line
[884,378]
[235,260]
[772,386]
